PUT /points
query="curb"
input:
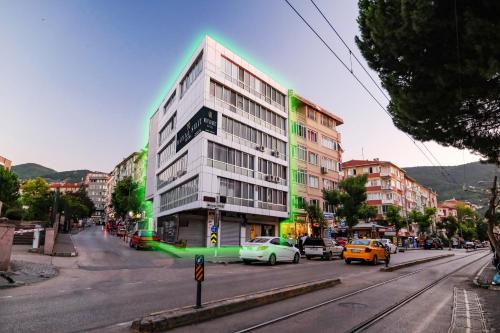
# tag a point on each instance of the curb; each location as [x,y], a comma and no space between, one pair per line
[476,278]
[414,262]
[166,320]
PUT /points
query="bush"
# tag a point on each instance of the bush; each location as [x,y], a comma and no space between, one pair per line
[15,213]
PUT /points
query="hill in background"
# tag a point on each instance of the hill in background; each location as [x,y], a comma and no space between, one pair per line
[471,174]
[33,170]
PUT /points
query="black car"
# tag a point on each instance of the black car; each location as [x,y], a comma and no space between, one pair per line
[433,243]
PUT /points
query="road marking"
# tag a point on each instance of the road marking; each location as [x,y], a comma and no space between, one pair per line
[5,296]
[467,311]
[124,323]
[468,314]
[88,288]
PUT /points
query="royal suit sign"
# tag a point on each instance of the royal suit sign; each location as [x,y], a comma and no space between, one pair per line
[204,120]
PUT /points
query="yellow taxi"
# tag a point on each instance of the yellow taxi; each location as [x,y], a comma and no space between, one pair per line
[367,250]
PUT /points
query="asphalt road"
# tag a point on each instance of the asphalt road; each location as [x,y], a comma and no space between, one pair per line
[109,284]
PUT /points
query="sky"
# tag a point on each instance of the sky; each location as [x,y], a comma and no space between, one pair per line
[79,79]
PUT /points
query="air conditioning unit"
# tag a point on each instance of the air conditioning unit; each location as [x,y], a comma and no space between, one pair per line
[269,178]
[170,179]
[181,173]
[260,148]
[276,179]
[324,170]
[275,153]
[174,178]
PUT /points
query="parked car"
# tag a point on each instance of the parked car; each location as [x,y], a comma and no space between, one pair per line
[486,244]
[433,243]
[270,250]
[342,241]
[367,250]
[143,239]
[470,245]
[325,248]
[393,248]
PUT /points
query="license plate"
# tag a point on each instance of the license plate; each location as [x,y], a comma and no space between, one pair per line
[355,250]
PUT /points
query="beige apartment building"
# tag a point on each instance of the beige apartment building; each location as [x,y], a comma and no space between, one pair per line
[315,163]
[388,185]
[5,163]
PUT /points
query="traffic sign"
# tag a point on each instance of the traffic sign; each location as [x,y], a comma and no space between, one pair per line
[213,228]
[213,237]
[329,232]
[199,268]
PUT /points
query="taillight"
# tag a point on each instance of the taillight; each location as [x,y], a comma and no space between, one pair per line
[367,249]
[262,248]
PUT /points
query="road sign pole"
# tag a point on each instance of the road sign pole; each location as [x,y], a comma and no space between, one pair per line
[198,294]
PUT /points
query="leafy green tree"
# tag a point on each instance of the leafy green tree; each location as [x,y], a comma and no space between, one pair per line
[481,230]
[450,225]
[37,197]
[315,216]
[367,212]
[9,189]
[438,60]
[74,206]
[393,217]
[126,198]
[424,220]
[349,199]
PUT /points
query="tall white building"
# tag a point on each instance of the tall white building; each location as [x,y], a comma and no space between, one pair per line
[95,184]
[218,146]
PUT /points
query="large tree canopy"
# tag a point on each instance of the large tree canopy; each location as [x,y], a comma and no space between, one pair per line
[441,67]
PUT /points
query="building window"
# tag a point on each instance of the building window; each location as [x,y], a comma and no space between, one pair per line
[268,168]
[313,158]
[313,181]
[327,121]
[180,195]
[373,196]
[229,159]
[175,170]
[271,199]
[312,135]
[236,192]
[327,163]
[311,114]
[167,129]
[165,154]
[298,202]
[329,184]
[247,106]
[299,176]
[299,129]
[192,74]
[299,152]
[329,143]
[252,84]
[314,202]
[169,102]
[254,136]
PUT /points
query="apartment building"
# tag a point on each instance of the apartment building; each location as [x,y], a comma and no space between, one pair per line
[448,207]
[315,163]
[95,184]
[5,163]
[132,166]
[388,185]
[66,187]
[218,152]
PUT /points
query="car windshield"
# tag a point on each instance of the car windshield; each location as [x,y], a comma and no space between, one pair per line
[360,242]
[314,242]
[259,240]
[385,241]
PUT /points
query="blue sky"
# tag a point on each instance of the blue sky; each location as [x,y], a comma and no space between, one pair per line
[78,78]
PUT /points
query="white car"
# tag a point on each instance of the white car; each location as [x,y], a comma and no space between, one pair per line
[392,247]
[270,250]
[322,247]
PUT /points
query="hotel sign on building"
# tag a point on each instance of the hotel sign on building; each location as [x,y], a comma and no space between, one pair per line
[204,120]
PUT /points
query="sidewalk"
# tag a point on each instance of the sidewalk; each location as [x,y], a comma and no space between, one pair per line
[24,272]
[485,276]
[64,246]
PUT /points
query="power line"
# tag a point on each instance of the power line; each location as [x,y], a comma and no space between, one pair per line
[445,174]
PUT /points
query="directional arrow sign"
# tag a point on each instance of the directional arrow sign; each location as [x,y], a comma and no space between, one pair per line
[213,237]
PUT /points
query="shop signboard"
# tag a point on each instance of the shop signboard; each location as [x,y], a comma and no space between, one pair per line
[205,120]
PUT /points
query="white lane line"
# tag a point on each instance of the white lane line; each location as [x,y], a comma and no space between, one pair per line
[124,323]
[467,311]
[5,297]
[88,288]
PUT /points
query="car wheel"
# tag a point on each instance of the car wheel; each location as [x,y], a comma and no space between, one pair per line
[296,258]
[308,257]
[375,260]
[246,261]
[272,259]
[130,244]
[348,261]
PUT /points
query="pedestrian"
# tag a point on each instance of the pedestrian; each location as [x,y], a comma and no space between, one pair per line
[387,251]
[301,245]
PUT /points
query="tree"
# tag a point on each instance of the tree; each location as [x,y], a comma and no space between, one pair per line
[315,216]
[36,196]
[9,190]
[393,217]
[126,198]
[74,206]
[367,212]
[424,220]
[349,199]
[450,225]
[438,60]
